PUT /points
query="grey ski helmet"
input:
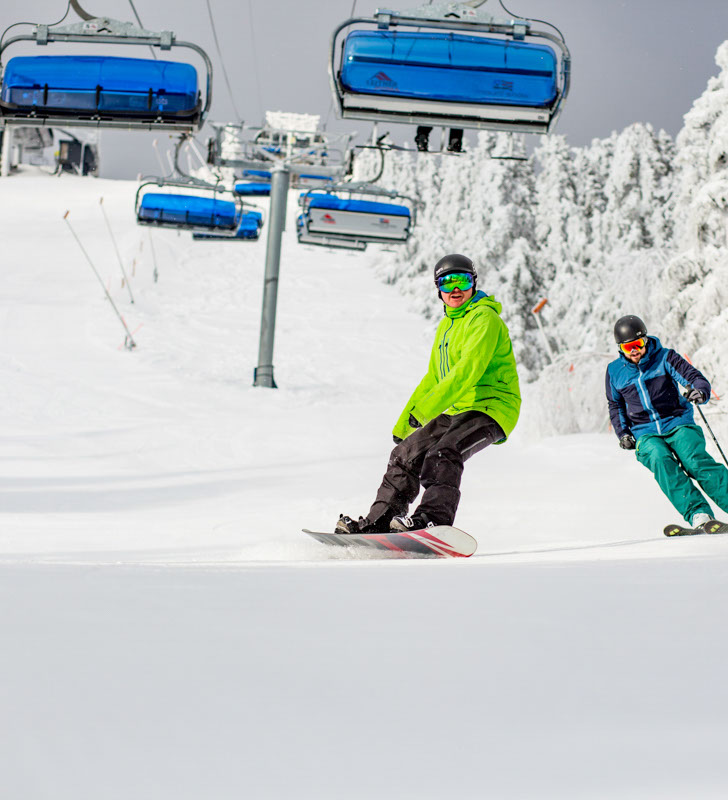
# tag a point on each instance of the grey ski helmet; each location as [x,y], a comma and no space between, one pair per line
[455,263]
[629,328]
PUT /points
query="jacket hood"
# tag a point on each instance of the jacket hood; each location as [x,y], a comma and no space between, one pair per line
[478,299]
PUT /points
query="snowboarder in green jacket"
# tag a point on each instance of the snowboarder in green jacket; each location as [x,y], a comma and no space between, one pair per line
[468,399]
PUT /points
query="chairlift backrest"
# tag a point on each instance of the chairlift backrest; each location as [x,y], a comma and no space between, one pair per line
[186,211]
[327,214]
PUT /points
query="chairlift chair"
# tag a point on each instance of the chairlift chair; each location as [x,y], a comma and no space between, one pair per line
[103,91]
[358,213]
[450,65]
[194,211]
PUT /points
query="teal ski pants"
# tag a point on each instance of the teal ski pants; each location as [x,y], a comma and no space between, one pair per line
[677,459]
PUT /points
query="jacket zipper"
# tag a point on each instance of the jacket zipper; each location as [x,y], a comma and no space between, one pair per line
[444,362]
[646,400]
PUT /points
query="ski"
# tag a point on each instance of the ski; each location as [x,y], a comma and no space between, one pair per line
[440,541]
[714,526]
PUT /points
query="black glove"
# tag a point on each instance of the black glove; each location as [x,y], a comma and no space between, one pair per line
[627,442]
[694,395]
[413,422]
[396,439]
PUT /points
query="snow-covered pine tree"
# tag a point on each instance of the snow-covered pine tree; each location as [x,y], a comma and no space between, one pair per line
[692,298]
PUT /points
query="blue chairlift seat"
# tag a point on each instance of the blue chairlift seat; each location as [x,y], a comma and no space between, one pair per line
[187,212]
[449,67]
[257,175]
[364,220]
[252,189]
[103,86]
[249,225]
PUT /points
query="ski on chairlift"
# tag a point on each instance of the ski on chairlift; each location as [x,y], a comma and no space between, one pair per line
[100,90]
[452,65]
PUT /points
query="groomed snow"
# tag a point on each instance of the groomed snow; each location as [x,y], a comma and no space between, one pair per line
[167,630]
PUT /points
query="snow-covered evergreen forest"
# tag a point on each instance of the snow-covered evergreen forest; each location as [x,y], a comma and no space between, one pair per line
[636,223]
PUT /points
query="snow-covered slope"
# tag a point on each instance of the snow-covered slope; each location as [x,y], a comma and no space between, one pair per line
[168,631]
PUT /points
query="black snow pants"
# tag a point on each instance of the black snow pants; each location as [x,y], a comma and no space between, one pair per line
[432,456]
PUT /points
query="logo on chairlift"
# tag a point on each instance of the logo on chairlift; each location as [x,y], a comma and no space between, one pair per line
[383,221]
[505,86]
[328,218]
[382,80]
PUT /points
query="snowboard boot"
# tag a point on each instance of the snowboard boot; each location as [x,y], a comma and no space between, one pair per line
[362,525]
[414,523]
[347,525]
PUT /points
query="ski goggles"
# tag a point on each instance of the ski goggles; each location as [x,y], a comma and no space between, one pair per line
[455,280]
[628,347]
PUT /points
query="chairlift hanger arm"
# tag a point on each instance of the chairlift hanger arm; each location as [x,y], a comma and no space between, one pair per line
[76,6]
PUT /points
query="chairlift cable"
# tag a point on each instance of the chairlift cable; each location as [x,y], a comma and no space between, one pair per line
[133,8]
[530,19]
[255,58]
[222,61]
[16,24]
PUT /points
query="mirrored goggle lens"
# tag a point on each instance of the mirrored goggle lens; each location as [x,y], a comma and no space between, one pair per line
[455,280]
[628,347]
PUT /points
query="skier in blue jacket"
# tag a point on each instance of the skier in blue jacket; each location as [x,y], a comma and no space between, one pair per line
[651,416]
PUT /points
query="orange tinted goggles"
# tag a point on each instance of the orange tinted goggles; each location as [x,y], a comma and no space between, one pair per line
[628,347]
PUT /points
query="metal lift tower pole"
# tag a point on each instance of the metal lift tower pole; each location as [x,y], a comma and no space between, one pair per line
[280,180]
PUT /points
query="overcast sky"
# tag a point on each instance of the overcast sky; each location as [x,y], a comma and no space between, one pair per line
[641,61]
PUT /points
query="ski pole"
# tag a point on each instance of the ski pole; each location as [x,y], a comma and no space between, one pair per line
[710,430]
[118,254]
[129,342]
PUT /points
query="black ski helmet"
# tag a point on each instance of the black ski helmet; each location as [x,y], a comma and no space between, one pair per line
[629,328]
[455,263]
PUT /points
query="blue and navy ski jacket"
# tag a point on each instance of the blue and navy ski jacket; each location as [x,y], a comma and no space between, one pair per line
[644,398]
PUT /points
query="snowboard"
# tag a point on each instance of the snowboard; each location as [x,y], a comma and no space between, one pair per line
[441,541]
[710,527]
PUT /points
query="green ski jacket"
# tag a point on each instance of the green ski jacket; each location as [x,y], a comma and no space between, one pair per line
[472,368]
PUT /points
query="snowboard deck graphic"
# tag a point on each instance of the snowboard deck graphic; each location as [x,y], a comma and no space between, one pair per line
[714,526]
[441,541]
